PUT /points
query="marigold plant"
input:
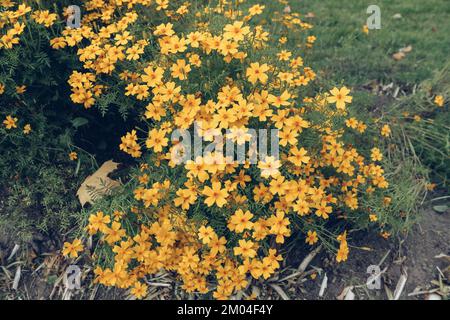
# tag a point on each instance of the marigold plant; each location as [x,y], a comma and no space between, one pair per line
[216,224]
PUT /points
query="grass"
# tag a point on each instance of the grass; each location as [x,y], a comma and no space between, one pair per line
[344,52]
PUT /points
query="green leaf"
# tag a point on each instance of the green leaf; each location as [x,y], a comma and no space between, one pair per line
[78,122]
[440,208]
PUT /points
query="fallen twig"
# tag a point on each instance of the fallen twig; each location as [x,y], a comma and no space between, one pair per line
[324,285]
[302,267]
[417,293]
[400,286]
[13,252]
[295,274]
[17,278]
[280,291]
[384,258]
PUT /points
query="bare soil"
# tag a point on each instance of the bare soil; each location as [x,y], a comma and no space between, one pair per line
[413,255]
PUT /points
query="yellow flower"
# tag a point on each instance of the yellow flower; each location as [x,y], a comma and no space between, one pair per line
[21,89]
[257,72]
[156,140]
[311,39]
[311,237]
[439,101]
[343,251]
[281,100]
[342,254]
[340,97]
[386,131]
[217,245]
[98,221]
[206,234]
[139,290]
[215,195]
[323,210]
[72,249]
[256,9]
[153,77]
[269,167]
[194,59]
[284,55]
[376,154]
[44,17]
[73,156]
[245,249]
[58,43]
[373,217]
[180,69]
[186,197]
[27,129]
[10,122]
[298,156]
[385,234]
[115,233]
[8,41]
[351,123]
[240,221]
[365,29]
[235,31]
[164,30]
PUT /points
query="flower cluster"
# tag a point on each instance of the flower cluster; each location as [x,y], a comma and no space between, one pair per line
[13,19]
[211,220]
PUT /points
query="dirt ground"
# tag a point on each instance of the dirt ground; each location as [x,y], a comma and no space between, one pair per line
[413,255]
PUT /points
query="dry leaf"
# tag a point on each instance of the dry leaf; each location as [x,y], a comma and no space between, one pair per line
[407,49]
[398,56]
[310,15]
[433,296]
[397,16]
[402,53]
[346,294]
[98,184]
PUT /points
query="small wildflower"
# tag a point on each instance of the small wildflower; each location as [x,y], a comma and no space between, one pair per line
[10,122]
[27,129]
[72,249]
[73,156]
[439,101]
[311,237]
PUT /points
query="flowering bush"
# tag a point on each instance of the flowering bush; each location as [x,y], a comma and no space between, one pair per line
[217,223]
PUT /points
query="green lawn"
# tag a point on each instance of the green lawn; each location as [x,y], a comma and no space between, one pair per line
[344,52]
[344,55]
